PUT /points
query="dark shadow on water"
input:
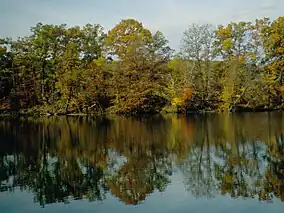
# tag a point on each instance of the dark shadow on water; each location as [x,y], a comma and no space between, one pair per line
[59,158]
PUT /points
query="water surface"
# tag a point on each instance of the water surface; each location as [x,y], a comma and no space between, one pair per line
[199,163]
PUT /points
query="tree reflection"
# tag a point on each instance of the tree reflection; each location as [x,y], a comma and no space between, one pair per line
[197,168]
[59,159]
[273,184]
[73,158]
[140,177]
[239,160]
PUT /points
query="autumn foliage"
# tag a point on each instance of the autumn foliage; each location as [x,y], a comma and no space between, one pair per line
[131,70]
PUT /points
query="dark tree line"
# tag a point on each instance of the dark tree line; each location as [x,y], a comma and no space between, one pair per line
[132,70]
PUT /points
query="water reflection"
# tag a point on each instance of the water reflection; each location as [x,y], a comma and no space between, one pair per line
[59,159]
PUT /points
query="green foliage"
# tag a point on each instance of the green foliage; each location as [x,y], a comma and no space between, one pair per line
[273,36]
[131,70]
[141,74]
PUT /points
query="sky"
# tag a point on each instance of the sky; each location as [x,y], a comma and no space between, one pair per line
[171,17]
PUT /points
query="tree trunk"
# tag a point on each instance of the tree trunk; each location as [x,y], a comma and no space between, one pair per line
[42,81]
[68,100]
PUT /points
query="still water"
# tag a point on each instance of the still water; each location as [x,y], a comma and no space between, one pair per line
[199,163]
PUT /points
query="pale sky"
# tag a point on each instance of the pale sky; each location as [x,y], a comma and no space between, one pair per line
[169,16]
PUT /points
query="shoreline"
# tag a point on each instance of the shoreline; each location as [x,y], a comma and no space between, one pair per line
[188,112]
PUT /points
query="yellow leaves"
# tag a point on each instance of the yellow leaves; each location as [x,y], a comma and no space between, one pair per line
[280,88]
[228,178]
[127,36]
[227,94]
[227,44]
[280,49]
[184,96]
[100,61]
[224,32]
[177,101]
[274,45]
[174,64]
[232,39]
[73,103]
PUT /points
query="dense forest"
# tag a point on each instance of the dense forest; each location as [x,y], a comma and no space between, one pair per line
[128,70]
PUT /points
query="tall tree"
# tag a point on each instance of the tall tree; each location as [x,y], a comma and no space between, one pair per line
[141,72]
[197,50]
[273,36]
[233,46]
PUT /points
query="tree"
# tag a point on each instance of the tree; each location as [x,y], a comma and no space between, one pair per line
[6,78]
[51,61]
[130,70]
[238,44]
[93,40]
[273,36]
[197,50]
[141,73]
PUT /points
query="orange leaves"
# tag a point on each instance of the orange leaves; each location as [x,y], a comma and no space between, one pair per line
[186,93]
[182,99]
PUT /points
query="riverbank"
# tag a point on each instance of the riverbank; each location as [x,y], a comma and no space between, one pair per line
[29,113]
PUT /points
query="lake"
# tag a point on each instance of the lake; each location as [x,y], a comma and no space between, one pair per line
[195,163]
